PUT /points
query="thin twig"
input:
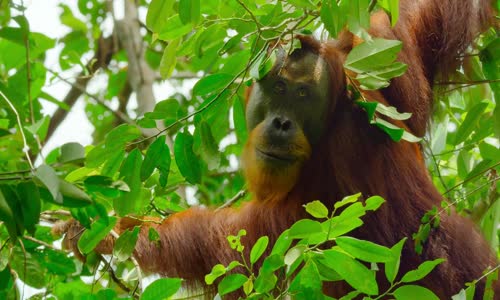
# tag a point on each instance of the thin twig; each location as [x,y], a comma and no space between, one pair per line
[257,23]
[123,117]
[471,82]
[26,148]
[236,197]
[435,164]
[470,178]
[488,273]
[42,243]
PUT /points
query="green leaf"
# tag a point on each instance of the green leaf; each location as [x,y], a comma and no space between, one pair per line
[374,202]
[68,19]
[167,110]
[265,282]
[317,209]
[29,270]
[240,124]
[7,217]
[341,225]
[212,84]
[333,17]
[75,289]
[358,16]
[370,107]
[470,122]
[425,268]
[169,59]
[189,11]
[131,202]
[40,128]
[489,151]
[72,196]
[58,262]
[174,29]
[248,286]
[125,244]
[372,55]
[489,288]
[209,148]
[353,272]
[6,280]
[262,65]
[307,284]
[304,228]
[29,201]
[121,135]
[302,4]
[158,13]
[231,283]
[217,271]
[414,292]
[157,156]
[392,7]
[392,266]
[364,250]
[186,160]
[392,112]
[272,263]
[282,243]
[153,236]
[294,254]
[394,132]
[367,81]
[258,249]
[162,288]
[347,200]
[71,152]
[97,232]
[49,179]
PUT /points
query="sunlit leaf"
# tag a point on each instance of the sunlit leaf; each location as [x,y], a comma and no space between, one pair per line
[162,288]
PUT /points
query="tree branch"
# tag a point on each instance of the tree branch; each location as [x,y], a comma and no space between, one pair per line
[105,49]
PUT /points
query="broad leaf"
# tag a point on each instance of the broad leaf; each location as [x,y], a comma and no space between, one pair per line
[258,249]
[372,55]
[317,209]
[97,232]
[189,11]
[410,292]
[186,160]
[162,288]
[125,244]
[392,266]
[231,283]
[304,228]
[212,84]
[425,268]
[353,272]
[364,250]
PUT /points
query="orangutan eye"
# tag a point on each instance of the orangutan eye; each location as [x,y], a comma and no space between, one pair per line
[279,88]
[302,92]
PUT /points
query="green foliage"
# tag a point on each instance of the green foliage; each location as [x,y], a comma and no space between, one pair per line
[313,261]
[150,163]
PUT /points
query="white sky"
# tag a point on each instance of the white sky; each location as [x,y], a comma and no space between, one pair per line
[43,16]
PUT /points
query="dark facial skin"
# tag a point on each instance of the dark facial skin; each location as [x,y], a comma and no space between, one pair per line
[288,107]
